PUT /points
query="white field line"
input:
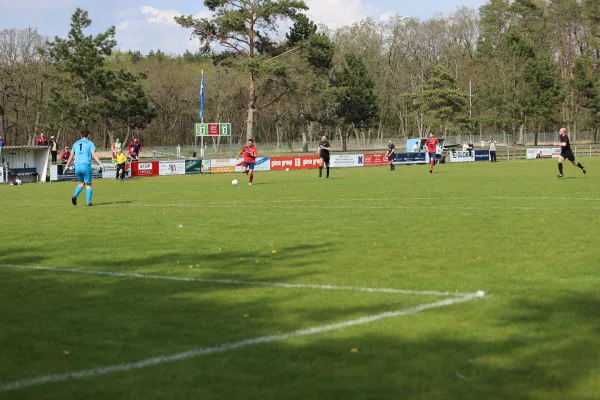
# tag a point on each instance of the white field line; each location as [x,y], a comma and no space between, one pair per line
[239,282]
[149,362]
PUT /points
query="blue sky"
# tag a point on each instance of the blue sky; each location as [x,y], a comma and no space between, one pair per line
[148,24]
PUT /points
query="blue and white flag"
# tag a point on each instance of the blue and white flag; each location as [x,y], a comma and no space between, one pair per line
[202,97]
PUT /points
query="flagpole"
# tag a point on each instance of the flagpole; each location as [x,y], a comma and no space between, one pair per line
[202,89]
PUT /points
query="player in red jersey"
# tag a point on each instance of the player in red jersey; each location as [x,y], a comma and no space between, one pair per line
[250,152]
[431,145]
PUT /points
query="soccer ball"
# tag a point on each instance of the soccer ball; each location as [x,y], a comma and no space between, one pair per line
[234,182]
[287,169]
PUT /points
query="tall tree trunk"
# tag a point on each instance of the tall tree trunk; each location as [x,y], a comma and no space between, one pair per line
[522,134]
[278,128]
[304,132]
[356,134]
[345,140]
[251,107]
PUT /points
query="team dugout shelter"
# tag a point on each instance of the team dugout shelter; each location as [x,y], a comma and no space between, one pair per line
[26,163]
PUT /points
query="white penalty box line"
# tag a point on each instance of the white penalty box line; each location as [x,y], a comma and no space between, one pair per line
[237,282]
[154,361]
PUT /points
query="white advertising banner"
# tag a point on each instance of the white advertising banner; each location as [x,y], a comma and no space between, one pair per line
[222,165]
[1,175]
[176,167]
[110,171]
[462,156]
[206,166]
[548,152]
[347,160]
[261,164]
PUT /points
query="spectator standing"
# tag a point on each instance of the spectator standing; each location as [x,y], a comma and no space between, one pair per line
[135,149]
[41,141]
[53,148]
[64,157]
[116,146]
[2,142]
[493,150]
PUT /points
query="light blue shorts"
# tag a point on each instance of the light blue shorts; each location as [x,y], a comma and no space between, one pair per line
[84,173]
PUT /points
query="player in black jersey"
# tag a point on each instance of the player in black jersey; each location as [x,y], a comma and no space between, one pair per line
[324,148]
[566,153]
[390,154]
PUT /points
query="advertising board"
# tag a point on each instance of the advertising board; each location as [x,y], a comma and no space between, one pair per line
[110,171]
[262,164]
[548,152]
[462,156]
[347,160]
[375,159]
[482,155]
[222,165]
[410,158]
[174,167]
[145,168]
[298,162]
[193,167]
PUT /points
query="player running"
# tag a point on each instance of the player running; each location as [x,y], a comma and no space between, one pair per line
[390,154]
[324,148]
[83,151]
[250,152]
[431,143]
[566,153]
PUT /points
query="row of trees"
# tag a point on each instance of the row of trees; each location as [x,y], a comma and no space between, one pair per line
[512,66]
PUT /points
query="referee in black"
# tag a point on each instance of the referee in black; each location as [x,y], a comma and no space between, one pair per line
[324,147]
[390,154]
[566,153]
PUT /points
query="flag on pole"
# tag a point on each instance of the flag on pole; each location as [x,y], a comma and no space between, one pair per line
[202,97]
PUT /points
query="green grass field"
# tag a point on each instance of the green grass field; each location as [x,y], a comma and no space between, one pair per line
[513,230]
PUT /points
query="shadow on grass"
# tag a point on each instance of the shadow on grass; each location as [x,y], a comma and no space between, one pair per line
[540,349]
[21,256]
[109,203]
[530,348]
[554,356]
[226,260]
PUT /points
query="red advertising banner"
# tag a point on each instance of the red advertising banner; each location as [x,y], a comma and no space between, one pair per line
[213,130]
[375,159]
[298,162]
[143,168]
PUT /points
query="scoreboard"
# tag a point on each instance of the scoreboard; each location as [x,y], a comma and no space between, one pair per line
[213,129]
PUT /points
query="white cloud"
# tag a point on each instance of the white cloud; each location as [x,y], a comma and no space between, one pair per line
[150,28]
[386,16]
[160,16]
[336,13]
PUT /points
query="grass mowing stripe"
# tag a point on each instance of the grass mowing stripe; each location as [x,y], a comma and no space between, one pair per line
[227,346]
[239,282]
[395,199]
[320,207]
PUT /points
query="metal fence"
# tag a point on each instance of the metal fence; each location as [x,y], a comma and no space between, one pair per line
[366,144]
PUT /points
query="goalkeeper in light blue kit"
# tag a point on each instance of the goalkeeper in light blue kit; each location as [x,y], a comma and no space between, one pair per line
[83,151]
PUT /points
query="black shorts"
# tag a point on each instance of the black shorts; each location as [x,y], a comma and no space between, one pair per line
[568,156]
[325,158]
[391,157]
